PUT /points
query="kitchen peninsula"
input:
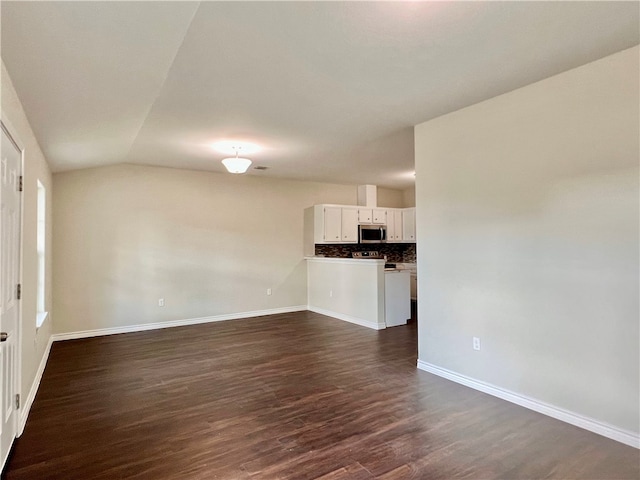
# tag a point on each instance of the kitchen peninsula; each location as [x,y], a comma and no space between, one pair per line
[359,291]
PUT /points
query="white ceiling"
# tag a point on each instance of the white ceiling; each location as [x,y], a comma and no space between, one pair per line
[330,90]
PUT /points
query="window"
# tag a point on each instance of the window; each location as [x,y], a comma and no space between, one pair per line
[41,247]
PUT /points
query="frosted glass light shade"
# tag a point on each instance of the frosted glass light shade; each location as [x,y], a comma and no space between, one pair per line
[236,165]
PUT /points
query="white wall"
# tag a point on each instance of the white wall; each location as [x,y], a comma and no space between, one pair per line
[208,243]
[389,198]
[34,341]
[528,238]
[409,197]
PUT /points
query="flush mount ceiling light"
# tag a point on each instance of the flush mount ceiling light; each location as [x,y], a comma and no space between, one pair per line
[236,164]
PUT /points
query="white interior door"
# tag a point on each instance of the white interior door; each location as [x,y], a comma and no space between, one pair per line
[10,166]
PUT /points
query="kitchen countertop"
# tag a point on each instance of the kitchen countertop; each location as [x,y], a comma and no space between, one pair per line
[399,266]
[358,261]
[411,267]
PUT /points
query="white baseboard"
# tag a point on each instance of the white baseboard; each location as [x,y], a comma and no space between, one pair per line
[606,430]
[346,318]
[26,404]
[174,323]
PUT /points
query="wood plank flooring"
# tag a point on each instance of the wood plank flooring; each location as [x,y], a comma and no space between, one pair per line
[293,396]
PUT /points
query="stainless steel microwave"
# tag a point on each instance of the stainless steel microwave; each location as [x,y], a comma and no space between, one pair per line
[372,233]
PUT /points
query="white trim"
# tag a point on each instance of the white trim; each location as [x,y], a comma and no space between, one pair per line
[26,404]
[40,318]
[20,145]
[13,132]
[601,428]
[347,318]
[174,323]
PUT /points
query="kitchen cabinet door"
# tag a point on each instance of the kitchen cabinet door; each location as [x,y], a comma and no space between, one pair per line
[409,225]
[394,225]
[332,224]
[349,225]
[379,216]
[365,215]
[395,219]
[391,227]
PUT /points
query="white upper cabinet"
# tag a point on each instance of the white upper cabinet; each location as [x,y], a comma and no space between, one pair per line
[394,225]
[339,224]
[365,215]
[409,225]
[332,224]
[349,224]
[397,224]
[379,216]
[329,224]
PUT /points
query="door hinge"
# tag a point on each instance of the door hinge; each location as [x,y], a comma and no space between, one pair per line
[20,183]
[17,400]
[19,291]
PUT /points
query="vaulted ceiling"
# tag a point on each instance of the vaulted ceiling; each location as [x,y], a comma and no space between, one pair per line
[330,91]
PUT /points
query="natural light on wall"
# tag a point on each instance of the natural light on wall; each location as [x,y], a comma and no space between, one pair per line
[41,243]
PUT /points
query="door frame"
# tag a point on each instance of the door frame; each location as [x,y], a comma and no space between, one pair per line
[8,127]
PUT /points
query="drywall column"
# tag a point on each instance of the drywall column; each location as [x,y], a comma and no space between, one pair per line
[528,238]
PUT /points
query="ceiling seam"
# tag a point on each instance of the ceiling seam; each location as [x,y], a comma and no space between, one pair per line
[164,80]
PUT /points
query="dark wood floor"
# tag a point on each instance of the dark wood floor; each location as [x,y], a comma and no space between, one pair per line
[294,396]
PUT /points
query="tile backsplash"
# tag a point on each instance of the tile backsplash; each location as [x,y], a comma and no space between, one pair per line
[409,254]
[395,252]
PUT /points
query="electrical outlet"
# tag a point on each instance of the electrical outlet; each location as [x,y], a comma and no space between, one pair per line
[476,343]
[268,291]
[331,293]
[161,302]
